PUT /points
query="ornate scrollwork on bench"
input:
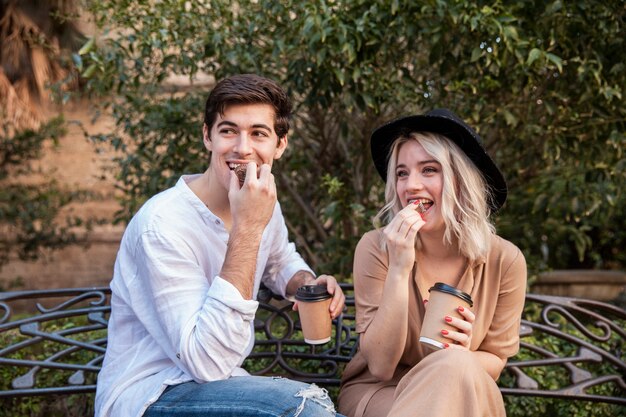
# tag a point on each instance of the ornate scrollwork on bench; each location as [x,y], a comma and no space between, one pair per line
[570,348]
[581,343]
[280,348]
[59,348]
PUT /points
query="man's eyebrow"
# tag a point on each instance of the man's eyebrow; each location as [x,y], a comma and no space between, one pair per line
[227,123]
[262,126]
[255,126]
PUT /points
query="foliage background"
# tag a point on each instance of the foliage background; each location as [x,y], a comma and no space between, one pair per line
[37,38]
[542,82]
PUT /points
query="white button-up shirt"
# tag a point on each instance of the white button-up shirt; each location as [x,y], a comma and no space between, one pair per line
[173,319]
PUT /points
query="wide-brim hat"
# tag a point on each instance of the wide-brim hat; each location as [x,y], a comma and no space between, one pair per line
[446,123]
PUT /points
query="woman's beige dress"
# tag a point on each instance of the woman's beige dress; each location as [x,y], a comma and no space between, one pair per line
[449,382]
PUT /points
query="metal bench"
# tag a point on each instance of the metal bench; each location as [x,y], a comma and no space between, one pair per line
[53,341]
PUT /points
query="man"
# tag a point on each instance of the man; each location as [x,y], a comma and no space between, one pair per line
[189,269]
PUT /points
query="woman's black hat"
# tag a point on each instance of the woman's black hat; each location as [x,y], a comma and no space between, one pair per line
[446,123]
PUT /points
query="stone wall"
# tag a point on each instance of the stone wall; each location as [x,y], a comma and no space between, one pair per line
[76,163]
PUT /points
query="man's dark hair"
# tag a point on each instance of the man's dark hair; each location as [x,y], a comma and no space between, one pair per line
[249,89]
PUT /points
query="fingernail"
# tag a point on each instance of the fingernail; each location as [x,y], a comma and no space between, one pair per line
[461,309]
[444,332]
[425,301]
[448,319]
[446,346]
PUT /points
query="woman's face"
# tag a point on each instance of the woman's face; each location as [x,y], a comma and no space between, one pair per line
[419,177]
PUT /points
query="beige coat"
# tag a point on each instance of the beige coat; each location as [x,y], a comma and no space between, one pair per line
[448,382]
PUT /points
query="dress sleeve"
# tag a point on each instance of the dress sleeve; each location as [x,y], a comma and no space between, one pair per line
[370,273]
[202,323]
[502,338]
[283,260]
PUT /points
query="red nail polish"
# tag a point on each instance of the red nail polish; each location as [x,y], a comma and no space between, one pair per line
[448,319]
[461,309]
[444,332]
[446,346]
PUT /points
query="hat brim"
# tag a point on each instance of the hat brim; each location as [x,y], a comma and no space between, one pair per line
[445,123]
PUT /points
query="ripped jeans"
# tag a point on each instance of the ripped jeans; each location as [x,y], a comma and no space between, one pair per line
[243,396]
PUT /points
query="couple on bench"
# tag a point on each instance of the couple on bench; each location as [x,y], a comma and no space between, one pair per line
[193,257]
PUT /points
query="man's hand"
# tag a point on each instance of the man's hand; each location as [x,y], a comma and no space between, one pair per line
[252,204]
[338,300]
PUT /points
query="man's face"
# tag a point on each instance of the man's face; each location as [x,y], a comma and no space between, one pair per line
[244,133]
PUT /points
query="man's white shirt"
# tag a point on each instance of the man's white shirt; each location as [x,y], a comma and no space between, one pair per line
[173,318]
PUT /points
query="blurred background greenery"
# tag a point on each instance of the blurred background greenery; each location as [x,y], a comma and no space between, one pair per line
[541,81]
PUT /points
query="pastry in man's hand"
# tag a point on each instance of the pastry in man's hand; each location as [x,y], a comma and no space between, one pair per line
[240,171]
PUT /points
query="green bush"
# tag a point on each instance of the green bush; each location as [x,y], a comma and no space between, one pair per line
[543,82]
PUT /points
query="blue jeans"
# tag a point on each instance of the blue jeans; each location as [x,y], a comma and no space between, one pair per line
[244,396]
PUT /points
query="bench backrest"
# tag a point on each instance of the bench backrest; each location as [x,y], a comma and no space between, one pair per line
[58,346]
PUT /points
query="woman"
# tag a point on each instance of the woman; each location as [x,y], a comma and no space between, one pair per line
[433,163]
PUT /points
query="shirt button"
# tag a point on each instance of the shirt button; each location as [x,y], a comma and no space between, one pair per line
[217,221]
[178,355]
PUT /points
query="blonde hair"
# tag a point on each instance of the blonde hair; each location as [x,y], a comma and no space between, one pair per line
[465,195]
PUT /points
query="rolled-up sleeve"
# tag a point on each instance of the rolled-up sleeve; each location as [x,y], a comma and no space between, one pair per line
[209,348]
[202,323]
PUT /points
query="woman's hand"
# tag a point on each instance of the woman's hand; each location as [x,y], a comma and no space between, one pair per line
[461,339]
[400,236]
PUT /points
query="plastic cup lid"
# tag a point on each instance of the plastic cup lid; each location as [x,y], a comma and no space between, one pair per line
[312,293]
[449,289]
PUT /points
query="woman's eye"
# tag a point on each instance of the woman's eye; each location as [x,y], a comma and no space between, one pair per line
[401,174]
[429,170]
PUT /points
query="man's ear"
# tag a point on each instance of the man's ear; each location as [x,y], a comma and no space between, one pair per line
[206,138]
[282,145]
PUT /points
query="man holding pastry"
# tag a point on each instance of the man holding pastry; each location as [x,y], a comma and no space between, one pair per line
[189,268]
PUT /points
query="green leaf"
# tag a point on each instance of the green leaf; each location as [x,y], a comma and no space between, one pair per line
[339,75]
[533,55]
[510,32]
[511,120]
[394,7]
[476,54]
[88,46]
[89,71]
[555,60]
